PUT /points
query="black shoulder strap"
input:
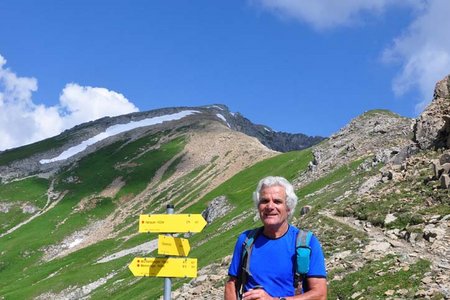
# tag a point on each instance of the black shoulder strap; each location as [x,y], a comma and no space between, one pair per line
[247,247]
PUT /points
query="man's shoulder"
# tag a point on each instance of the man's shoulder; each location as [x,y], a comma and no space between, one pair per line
[297,229]
[294,230]
[250,232]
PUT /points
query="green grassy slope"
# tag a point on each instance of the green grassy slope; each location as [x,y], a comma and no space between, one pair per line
[15,195]
[219,243]
[24,275]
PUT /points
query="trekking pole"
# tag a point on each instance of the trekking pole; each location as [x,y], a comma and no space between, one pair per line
[168,280]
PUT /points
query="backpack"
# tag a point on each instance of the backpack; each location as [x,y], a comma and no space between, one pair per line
[302,259]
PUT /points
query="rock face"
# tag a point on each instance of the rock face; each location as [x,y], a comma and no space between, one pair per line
[432,128]
[278,141]
[441,171]
[217,208]
[379,133]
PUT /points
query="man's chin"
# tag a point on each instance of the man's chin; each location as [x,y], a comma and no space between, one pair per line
[271,221]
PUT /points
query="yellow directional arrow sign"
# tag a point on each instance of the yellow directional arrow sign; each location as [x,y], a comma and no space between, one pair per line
[168,245]
[171,223]
[164,267]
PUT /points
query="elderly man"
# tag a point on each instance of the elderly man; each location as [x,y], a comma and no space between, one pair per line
[270,273]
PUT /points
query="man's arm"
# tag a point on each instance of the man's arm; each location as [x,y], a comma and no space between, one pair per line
[230,289]
[317,290]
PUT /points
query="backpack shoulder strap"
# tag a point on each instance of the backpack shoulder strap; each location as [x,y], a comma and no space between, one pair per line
[303,255]
[303,238]
[247,247]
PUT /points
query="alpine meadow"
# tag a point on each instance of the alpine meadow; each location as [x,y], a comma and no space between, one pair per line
[376,193]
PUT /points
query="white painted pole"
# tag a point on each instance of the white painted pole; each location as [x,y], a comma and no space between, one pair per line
[168,281]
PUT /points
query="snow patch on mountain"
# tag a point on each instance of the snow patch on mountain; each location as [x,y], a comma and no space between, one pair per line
[216,106]
[114,130]
[223,119]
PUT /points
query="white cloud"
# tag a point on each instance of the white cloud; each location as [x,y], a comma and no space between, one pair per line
[23,122]
[423,52]
[325,14]
[85,103]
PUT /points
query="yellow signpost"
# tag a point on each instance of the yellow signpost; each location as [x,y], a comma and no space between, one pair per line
[164,223]
[168,267]
[168,245]
[164,267]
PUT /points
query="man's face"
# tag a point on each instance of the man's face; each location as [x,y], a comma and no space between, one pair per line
[272,205]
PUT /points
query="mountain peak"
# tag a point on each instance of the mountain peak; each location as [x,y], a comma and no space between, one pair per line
[51,154]
[432,128]
[442,89]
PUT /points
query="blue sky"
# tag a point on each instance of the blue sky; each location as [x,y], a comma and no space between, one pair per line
[294,65]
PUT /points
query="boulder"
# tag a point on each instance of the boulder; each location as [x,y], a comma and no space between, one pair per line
[445,181]
[305,209]
[446,168]
[435,167]
[445,158]
[389,219]
[432,232]
[432,127]
[442,89]
[5,207]
[217,208]
[312,167]
[28,208]
[407,151]
[438,169]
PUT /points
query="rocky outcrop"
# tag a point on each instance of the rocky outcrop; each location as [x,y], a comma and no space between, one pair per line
[217,208]
[381,134]
[441,171]
[275,140]
[432,128]
[278,141]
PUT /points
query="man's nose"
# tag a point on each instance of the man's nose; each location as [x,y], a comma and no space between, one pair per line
[270,205]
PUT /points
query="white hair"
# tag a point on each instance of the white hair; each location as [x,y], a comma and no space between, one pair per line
[291,197]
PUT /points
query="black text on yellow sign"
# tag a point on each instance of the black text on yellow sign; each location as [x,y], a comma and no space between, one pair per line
[164,267]
[165,223]
[168,245]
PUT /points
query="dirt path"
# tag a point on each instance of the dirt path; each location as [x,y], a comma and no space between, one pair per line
[399,246]
[436,252]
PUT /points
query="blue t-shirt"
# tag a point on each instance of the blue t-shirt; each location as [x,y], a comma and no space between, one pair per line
[272,262]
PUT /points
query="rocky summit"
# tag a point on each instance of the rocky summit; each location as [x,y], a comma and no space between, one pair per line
[376,193]
[432,129]
[379,134]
